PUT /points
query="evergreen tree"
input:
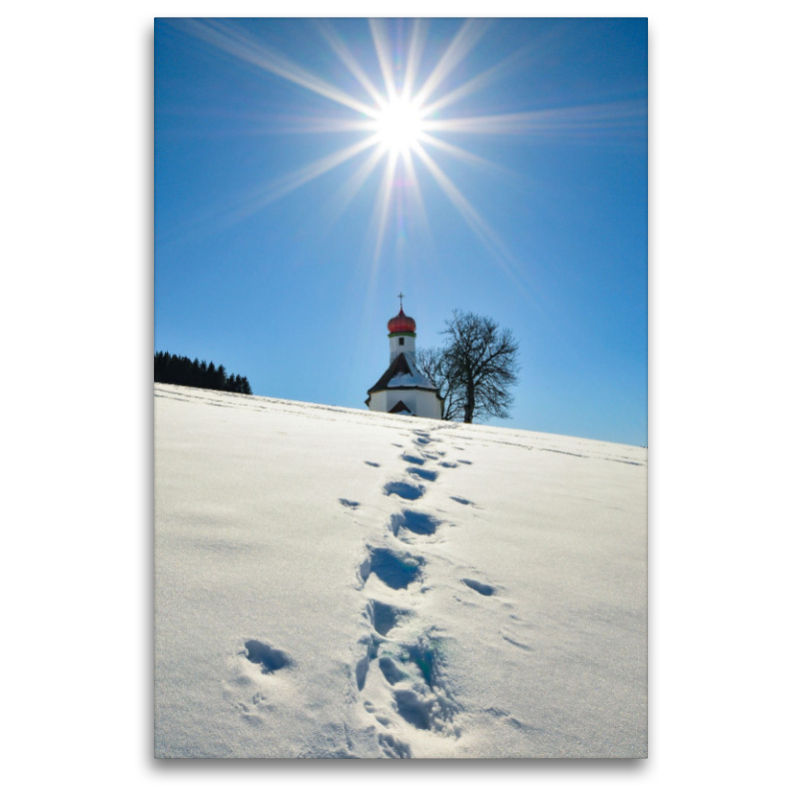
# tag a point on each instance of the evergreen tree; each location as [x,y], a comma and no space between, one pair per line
[182,371]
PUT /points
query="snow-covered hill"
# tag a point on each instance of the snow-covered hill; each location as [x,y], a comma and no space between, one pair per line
[341,583]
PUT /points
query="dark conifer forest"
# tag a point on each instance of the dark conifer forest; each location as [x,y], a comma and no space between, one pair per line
[185,372]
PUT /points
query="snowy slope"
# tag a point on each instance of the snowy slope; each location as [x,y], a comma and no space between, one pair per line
[341,583]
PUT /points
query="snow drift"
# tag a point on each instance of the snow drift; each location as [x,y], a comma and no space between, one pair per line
[341,583]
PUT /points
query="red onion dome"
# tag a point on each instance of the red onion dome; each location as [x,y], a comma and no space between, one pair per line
[402,324]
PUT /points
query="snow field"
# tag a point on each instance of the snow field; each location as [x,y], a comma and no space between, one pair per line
[337,583]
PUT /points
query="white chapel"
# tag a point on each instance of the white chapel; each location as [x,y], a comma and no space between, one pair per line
[403,389]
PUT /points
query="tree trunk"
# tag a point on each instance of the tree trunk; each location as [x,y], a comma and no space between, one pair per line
[469,406]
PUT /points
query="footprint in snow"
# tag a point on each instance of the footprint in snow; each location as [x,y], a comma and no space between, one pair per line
[423,710]
[269,658]
[396,570]
[349,503]
[405,490]
[391,672]
[425,474]
[384,617]
[481,588]
[413,459]
[371,464]
[362,667]
[421,698]
[415,522]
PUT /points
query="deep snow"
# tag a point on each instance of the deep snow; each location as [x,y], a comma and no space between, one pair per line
[341,583]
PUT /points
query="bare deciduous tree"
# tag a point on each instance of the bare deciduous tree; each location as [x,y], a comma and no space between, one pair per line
[435,366]
[475,369]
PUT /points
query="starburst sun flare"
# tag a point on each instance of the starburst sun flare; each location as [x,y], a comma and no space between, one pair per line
[401,125]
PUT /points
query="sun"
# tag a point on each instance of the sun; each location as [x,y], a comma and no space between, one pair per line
[399,125]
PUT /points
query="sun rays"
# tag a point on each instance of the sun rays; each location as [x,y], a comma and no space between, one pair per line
[398,125]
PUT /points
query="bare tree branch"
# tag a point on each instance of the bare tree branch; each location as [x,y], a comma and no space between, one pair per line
[436,368]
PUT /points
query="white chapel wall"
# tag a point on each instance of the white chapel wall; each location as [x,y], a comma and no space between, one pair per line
[423,404]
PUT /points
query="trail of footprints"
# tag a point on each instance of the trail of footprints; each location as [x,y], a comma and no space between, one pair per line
[402,657]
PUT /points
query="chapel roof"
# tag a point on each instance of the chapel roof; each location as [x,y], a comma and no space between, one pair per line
[402,323]
[402,374]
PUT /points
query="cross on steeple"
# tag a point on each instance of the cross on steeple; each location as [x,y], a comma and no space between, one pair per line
[401,296]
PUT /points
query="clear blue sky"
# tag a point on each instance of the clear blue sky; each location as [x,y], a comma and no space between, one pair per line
[525,200]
